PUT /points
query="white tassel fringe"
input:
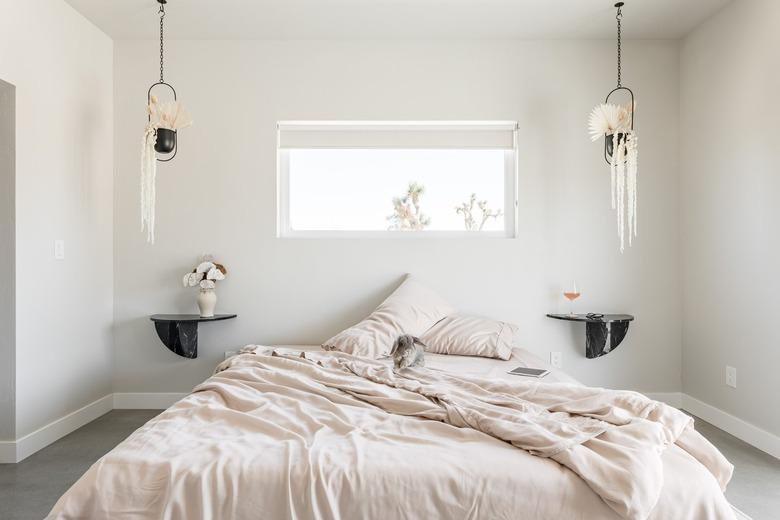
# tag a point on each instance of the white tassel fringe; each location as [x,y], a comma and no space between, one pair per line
[148,181]
[623,172]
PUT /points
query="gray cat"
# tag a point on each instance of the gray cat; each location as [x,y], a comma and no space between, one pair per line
[408,351]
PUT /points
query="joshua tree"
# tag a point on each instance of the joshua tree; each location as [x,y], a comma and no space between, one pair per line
[467,210]
[406,210]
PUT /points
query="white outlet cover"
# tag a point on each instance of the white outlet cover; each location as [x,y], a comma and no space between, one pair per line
[556,359]
[59,250]
[731,377]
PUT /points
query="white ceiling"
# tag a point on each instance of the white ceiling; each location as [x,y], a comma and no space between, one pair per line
[391,19]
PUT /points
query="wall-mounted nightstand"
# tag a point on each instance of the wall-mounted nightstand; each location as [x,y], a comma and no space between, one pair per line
[602,334]
[179,332]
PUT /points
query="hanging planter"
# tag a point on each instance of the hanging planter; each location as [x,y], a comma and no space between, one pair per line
[615,124]
[618,136]
[160,141]
[166,137]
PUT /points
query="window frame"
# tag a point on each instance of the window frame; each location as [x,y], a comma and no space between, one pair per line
[511,174]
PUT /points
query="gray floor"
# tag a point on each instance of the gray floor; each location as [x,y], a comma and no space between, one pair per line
[29,489]
[755,487]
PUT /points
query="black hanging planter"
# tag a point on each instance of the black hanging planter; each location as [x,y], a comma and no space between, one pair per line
[167,142]
[610,145]
[608,142]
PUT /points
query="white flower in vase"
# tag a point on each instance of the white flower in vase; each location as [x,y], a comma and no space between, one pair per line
[204,267]
[205,276]
[215,274]
[192,279]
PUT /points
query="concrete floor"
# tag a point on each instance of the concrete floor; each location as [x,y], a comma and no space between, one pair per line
[28,490]
[755,487]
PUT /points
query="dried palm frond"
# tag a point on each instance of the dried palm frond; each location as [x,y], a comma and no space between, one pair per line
[608,119]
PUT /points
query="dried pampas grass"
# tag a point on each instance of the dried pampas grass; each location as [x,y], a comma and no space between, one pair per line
[170,114]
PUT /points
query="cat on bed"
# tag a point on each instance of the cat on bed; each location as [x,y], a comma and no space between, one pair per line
[408,351]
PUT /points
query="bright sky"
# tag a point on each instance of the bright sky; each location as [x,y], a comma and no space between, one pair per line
[353,189]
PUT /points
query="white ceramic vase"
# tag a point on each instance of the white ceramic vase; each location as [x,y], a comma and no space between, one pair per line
[207,300]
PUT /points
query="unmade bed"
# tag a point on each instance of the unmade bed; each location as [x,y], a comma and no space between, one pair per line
[277,435]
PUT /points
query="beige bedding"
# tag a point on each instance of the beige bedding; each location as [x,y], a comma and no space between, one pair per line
[279,437]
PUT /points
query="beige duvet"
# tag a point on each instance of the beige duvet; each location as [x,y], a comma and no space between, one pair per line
[334,436]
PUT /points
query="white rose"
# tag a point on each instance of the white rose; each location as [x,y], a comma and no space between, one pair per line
[207,284]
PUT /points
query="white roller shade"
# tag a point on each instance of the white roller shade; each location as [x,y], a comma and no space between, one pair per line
[428,135]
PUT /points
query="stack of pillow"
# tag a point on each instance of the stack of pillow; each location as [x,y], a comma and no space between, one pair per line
[415,309]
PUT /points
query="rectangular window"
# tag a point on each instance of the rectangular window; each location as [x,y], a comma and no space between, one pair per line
[378,179]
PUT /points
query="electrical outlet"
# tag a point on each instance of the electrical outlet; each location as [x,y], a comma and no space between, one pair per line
[556,359]
[59,250]
[731,377]
[230,353]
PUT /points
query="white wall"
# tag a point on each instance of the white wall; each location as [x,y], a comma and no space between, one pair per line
[7,250]
[61,66]
[218,196]
[729,162]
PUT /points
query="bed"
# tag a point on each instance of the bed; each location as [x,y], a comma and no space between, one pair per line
[277,448]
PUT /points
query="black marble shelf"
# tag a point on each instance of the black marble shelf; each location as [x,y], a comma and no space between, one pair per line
[602,335]
[179,332]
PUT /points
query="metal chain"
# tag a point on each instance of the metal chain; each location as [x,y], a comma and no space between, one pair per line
[162,41]
[619,18]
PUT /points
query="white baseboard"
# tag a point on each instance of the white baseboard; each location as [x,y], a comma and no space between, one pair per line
[20,449]
[146,401]
[750,433]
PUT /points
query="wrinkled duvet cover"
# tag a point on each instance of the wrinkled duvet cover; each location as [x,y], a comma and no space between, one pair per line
[277,433]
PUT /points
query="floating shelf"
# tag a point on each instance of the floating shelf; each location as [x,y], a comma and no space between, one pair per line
[602,335]
[179,332]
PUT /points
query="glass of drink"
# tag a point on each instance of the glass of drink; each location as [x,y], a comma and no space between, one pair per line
[572,294]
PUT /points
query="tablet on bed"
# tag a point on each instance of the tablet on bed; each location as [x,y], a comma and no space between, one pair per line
[529,372]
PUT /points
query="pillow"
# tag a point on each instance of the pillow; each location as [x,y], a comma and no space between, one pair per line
[471,336]
[411,309]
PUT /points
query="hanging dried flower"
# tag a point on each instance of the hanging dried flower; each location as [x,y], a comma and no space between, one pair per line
[608,119]
[171,115]
[148,181]
[623,170]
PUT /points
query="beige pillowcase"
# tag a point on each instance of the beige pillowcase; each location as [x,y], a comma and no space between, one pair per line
[471,336]
[411,309]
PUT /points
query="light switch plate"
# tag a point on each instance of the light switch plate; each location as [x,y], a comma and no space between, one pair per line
[556,359]
[59,250]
